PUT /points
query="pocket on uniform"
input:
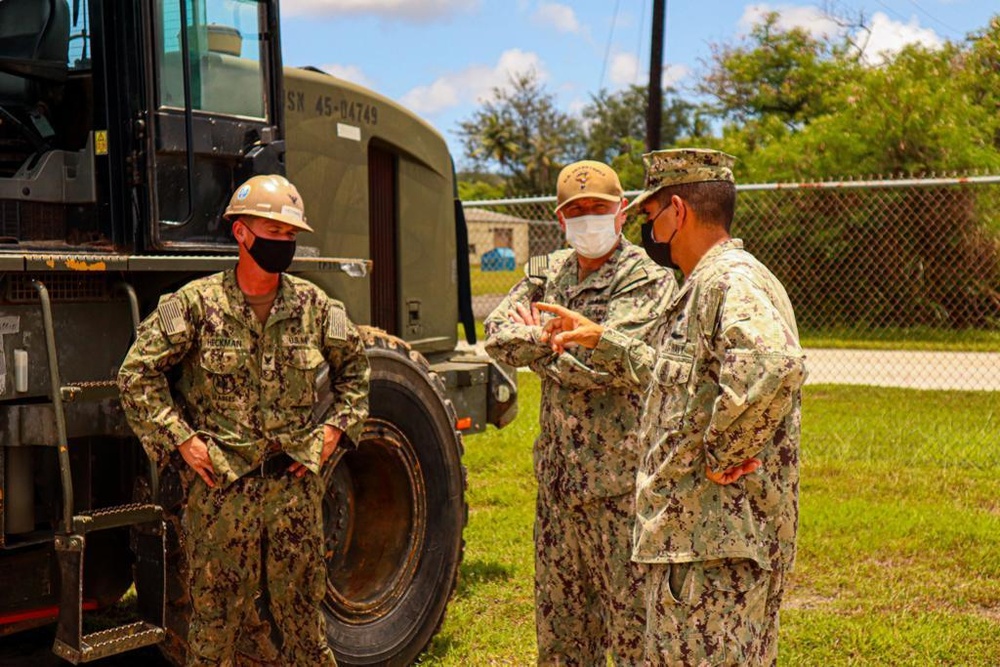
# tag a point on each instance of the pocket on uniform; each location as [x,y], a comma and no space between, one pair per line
[732,575]
[224,371]
[302,366]
[668,399]
[737,590]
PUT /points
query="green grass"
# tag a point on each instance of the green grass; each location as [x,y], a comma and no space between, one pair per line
[493,282]
[491,619]
[899,542]
[915,338]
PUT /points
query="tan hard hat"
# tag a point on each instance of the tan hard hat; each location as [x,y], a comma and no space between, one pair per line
[270,196]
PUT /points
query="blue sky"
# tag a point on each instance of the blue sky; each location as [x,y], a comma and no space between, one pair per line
[440,57]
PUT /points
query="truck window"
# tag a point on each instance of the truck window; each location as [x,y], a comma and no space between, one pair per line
[225,54]
[79,38]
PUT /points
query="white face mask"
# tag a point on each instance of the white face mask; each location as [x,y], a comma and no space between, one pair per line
[592,236]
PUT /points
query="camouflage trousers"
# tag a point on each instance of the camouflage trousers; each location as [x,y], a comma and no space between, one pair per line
[588,592]
[230,534]
[715,612]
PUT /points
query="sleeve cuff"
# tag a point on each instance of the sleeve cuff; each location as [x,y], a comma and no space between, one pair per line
[350,428]
[179,433]
[609,346]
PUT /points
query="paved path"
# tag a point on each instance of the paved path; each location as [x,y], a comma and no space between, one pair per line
[895,368]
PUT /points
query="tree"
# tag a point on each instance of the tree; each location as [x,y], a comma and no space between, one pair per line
[981,67]
[472,187]
[615,128]
[520,133]
[784,75]
[797,108]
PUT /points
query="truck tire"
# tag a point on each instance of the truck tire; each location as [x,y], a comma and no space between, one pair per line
[394,515]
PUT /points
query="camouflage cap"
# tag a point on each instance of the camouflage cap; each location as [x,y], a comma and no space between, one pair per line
[587,178]
[683,165]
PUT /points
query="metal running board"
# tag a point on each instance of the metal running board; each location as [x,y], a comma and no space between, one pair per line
[110,642]
[70,543]
[150,547]
[92,390]
[116,517]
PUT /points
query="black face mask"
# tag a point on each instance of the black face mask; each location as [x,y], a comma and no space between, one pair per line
[270,254]
[658,252]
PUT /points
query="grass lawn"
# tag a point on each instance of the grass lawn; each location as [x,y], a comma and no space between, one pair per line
[899,542]
[916,338]
[493,282]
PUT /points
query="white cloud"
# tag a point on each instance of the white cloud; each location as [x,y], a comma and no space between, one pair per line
[350,73]
[576,106]
[402,10]
[560,17]
[472,84]
[888,38]
[674,74]
[811,19]
[624,70]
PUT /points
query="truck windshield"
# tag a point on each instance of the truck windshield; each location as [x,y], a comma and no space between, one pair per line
[225,56]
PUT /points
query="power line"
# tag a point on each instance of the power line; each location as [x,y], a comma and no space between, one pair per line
[935,19]
[891,10]
[638,46]
[607,50]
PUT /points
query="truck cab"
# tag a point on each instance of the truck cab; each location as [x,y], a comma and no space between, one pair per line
[125,125]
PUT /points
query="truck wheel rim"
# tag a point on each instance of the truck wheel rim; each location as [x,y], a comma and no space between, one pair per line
[375,518]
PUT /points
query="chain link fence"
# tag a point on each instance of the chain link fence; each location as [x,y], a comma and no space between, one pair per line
[894,282]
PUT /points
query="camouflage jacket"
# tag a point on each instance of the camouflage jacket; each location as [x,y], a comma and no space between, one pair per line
[244,387]
[725,385]
[588,446]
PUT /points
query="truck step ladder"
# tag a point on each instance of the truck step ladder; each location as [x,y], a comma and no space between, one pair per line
[71,540]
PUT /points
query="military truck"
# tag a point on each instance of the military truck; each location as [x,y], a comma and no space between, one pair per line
[124,127]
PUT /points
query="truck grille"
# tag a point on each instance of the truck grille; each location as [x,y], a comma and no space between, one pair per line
[61,286]
[32,221]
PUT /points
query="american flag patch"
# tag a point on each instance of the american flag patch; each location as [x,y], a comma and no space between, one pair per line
[336,328]
[171,317]
[538,266]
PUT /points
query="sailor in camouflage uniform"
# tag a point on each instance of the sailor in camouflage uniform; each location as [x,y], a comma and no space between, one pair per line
[588,593]
[717,492]
[249,344]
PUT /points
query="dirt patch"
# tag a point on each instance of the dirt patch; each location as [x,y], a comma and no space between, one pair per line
[805,600]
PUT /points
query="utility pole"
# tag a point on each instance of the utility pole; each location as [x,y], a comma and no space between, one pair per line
[654,110]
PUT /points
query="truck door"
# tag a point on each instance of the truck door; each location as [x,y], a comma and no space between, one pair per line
[216,118]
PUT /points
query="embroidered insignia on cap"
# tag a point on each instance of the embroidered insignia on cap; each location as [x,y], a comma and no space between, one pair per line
[171,317]
[538,266]
[336,328]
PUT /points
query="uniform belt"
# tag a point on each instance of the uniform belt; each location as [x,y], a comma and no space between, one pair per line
[274,465]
